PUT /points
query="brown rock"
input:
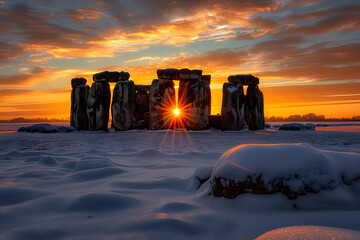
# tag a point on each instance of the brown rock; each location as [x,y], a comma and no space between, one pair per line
[195,74]
[244,79]
[232,110]
[206,79]
[79,114]
[111,76]
[215,121]
[74,83]
[142,104]
[77,82]
[254,108]
[184,73]
[161,98]
[98,106]
[142,88]
[123,106]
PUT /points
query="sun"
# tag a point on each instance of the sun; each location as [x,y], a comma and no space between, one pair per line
[176,112]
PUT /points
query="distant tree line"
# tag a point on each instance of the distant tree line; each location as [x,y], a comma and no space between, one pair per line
[310,117]
[30,120]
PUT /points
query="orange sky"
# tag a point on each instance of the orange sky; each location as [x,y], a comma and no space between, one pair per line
[304,52]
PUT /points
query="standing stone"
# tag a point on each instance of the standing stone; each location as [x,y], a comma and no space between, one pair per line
[141,104]
[232,110]
[161,103]
[254,111]
[80,118]
[98,106]
[123,106]
[198,110]
[74,83]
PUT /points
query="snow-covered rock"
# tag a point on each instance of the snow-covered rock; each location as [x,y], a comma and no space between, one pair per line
[290,169]
[297,126]
[46,128]
[123,106]
[232,110]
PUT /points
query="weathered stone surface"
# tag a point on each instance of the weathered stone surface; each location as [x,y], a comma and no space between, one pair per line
[206,79]
[199,99]
[123,106]
[141,104]
[168,73]
[232,110]
[78,81]
[79,114]
[254,108]
[183,97]
[195,74]
[74,83]
[111,76]
[245,79]
[215,121]
[98,106]
[161,96]
[142,88]
[184,73]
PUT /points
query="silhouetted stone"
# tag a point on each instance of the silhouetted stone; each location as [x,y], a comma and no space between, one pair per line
[111,76]
[254,110]
[161,96]
[77,82]
[123,106]
[74,83]
[199,106]
[232,110]
[195,74]
[98,106]
[80,118]
[215,121]
[206,79]
[168,73]
[142,88]
[141,102]
[184,73]
[246,79]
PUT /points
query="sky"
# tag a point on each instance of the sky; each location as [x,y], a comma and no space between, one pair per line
[305,52]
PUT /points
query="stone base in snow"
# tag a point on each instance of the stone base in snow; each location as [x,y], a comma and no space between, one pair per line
[290,169]
[297,126]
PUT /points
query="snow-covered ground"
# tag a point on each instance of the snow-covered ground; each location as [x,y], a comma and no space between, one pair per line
[153,185]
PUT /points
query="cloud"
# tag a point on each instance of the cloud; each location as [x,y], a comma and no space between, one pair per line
[80,14]
[9,51]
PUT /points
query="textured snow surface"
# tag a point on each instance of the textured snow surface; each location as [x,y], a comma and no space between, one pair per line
[154,185]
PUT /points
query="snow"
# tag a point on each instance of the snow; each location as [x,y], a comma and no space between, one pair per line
[300,168]
[154,185]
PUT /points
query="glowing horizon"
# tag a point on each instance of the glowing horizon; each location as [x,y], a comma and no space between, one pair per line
[304,52]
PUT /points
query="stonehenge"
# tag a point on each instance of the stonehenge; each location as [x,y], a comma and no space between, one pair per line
[153,106]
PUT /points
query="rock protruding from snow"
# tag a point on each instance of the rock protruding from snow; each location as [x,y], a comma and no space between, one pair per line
[79,114]
[111,76]
[161,101]
[74,83]
[198,108]
[297,127]
[232,110]
[141,105]
[98,106]
[123,106]
[254,108]
[46,128]
[244,79]
[290,169]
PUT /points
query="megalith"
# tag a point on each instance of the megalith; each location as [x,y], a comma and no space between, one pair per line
[74,83]
[254,111]
[232,110]
[98,106]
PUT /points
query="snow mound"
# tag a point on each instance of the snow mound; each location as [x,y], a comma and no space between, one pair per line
[46,128]
[291,169]
[297,126]
[310,233]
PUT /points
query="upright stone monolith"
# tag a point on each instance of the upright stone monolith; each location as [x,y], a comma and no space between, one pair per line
[74,83]
[123,106]
[141,104]
[232,110]
[98,106]
[198,110]
[80,118]
[161,101]
[254,111]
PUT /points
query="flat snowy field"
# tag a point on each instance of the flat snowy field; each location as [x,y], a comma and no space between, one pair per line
[145,185]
